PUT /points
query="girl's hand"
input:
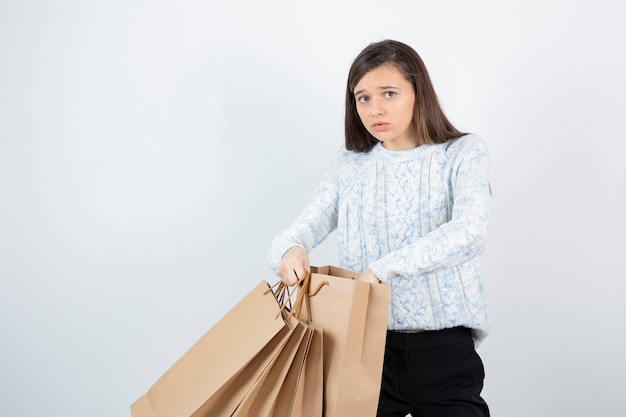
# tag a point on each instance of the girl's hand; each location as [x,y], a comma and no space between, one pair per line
[368,276]
[293,265]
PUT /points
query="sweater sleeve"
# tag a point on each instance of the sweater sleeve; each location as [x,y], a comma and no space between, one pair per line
[464,236]
[316,221]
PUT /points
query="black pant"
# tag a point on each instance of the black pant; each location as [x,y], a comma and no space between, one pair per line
[432,374]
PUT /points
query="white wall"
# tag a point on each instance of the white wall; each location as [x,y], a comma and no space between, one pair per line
[150,150]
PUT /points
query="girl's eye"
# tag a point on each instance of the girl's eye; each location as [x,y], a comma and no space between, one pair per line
[362,99]
[389,94]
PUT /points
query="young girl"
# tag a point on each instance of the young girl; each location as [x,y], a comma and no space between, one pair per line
[409,198]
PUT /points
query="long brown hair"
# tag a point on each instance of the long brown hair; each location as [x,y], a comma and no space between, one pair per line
[431,124]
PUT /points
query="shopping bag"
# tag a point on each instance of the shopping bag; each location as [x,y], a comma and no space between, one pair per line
[229,357]
[354,316]
[274,393]
[284,402]
[231,394]
[302,394]
[309,395]
[261,400]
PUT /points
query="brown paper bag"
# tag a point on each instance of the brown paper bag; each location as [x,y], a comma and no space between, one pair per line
[229,396]
[301,394]
[250,333]
[354,317]
[308,399]
[276,386]
[282,384]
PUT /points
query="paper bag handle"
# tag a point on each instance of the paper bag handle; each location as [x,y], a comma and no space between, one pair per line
[283,296]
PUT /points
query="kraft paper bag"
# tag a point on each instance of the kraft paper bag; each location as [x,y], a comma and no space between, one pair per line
[295,380]
[309,396]
[354,316]
[276,386]
[229,396]
[303,386]
[270,393]
[253,329]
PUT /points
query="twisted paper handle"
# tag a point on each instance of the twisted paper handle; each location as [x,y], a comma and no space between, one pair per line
[284,296]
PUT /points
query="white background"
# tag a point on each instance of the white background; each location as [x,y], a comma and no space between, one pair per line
[150,150]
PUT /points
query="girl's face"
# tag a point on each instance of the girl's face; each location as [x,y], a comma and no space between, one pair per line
[385,101]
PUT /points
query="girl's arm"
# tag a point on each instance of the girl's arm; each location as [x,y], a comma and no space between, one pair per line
[312,226]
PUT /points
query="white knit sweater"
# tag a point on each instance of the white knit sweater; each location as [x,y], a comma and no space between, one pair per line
[418,219]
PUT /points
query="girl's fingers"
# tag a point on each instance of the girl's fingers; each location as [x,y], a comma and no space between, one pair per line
[294,265]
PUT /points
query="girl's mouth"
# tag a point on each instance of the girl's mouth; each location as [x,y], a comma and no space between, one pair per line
[379,127]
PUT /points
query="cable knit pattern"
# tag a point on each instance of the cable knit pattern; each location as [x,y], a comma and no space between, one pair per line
[418,219]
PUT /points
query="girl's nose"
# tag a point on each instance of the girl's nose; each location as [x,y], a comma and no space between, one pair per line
[377,108]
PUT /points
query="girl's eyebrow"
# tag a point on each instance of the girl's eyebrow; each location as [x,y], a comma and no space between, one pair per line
[382,87]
